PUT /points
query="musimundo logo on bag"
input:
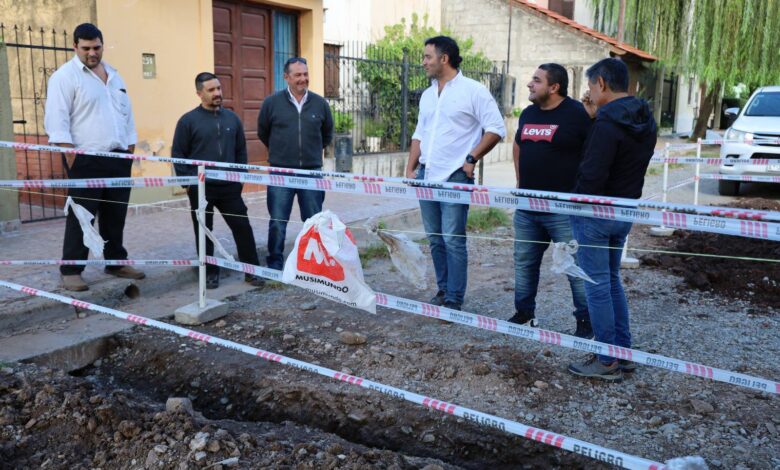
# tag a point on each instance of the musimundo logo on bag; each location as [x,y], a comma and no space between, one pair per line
[538,132]
[314,259]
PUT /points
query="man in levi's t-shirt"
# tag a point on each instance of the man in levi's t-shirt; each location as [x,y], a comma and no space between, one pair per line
[547,153]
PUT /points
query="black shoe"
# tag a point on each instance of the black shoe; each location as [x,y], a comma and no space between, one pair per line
[452,305]
[524,318]
[437,299]
[628,367]
[212,281]
[584,329]
[253,280]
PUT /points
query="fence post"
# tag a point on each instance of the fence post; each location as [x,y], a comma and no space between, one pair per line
[697,175]
[201,216]
[404,99]
[664,231]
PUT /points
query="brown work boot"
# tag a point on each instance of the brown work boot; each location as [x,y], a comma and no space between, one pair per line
[74,282]
[125,272]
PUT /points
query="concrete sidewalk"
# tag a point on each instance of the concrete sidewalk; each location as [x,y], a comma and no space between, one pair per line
[163,234]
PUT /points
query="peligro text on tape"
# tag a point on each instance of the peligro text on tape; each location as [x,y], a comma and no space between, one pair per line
[704,223]
[424,186]
[99,262]
[746,178]
[587,449]
[146,182]
[712,161]
[545,336]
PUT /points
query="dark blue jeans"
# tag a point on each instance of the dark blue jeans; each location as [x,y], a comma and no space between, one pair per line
[280,201]
[601,246]
[445,224]
[533,232]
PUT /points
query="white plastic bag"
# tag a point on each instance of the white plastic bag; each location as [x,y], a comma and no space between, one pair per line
[563,260]
[92,238]
[405,255]
[687,463]
[325,261]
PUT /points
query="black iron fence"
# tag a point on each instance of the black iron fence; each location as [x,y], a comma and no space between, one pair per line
[33,55]
[375,92]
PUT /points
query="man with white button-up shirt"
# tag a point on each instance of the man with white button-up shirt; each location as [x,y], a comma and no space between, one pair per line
[87,107]
[459,122]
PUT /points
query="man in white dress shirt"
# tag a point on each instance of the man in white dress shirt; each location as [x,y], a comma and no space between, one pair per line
[87,107]
[459,122]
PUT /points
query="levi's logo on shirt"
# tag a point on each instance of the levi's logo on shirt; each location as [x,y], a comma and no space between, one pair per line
[538,132]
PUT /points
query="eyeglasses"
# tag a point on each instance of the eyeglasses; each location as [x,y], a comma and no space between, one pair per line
[293,60]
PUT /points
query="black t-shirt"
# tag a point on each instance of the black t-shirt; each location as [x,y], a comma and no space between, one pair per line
[551,145]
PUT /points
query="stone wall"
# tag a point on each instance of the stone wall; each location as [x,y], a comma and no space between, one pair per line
[534,40]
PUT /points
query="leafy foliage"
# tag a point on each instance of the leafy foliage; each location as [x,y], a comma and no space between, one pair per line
[342,122]
[383,71]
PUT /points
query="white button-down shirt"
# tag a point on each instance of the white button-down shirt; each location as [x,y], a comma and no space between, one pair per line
[298,105]
[83,111]
[451,124]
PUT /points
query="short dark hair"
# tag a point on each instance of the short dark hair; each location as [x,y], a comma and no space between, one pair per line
[203,77]
[557,74]
[446,45]
[613,71]
[293,60]
[86,31]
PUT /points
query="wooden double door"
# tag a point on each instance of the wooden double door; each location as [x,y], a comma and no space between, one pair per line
[243,61]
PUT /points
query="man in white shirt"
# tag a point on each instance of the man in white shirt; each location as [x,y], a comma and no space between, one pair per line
[87,107]
[459,122]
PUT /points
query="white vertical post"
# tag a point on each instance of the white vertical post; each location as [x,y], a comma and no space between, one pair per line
[697,177]
[663,231]
[666,171]
[201,215]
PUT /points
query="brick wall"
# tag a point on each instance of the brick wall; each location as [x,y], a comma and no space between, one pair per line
[34,165]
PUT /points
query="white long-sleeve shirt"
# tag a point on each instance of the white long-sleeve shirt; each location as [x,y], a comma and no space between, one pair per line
[83,111]
[451,124]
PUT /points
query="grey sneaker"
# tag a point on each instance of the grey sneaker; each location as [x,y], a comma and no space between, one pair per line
[628,367]
[592,367]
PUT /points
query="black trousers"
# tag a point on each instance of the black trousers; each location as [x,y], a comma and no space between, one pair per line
[108,205]
[227,198]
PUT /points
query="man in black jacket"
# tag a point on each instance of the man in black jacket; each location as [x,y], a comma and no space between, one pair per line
[210,132]
[617,152]
[295,125]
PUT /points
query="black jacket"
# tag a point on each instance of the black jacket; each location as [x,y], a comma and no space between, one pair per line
[216,136]
[618,150]
[295,140]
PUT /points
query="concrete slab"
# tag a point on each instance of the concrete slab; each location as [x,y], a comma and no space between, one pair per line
[194,314]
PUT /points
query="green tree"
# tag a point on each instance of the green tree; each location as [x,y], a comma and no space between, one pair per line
[383,68]
[722,42]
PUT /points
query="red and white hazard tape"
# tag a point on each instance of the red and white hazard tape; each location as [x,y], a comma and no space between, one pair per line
[577,446]
[753,141]
[374,185]
[99,262]
[754,227]
[540,335]
[715,161]
[745,178]
[151,182]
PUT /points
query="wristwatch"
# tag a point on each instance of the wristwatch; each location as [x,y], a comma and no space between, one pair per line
[470,159]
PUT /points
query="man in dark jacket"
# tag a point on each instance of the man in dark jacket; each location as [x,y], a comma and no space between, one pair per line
[210,132]
[295,125]
[617,152]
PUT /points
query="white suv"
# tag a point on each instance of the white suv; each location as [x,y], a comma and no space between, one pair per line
[759,120]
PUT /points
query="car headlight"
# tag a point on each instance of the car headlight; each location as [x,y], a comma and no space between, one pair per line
[734,134]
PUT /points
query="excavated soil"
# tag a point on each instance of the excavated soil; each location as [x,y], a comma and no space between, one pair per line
[756,277]
[249,413]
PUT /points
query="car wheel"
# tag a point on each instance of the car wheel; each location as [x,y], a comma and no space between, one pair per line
[728,188]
